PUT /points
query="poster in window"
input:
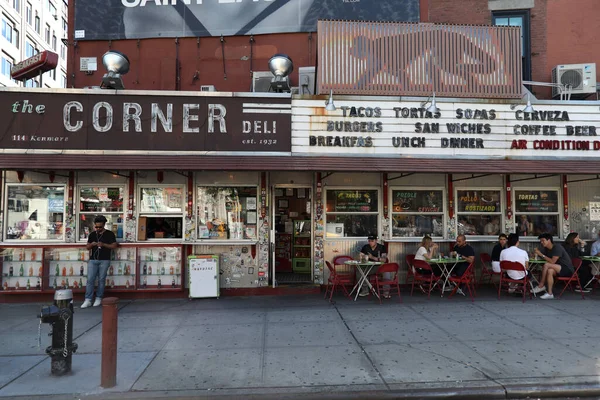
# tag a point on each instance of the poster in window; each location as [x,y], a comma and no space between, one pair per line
[174,200]
[594,211]
[478,201]
[250,232]
[534,201]
[352,200]
[417,201]
[251,217]
[251,203]
[301,193]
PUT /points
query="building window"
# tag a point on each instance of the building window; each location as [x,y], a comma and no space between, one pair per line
[227,213]
[17,5]
[63,80]
[29,14]
[52,9]
[35,212]
[63,52]
[7,63]
[416,213]
[96,200]
[53,74]
[37,25]
[162,206]
[47,33]
[32,83]
[65,27]
[479,212]
[30,51]
[352,213]
[8,31]
[521,19]
[54,42]
[536,212]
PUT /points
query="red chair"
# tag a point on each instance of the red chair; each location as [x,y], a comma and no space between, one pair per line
[425,278]
[345,270]
[409,258]
[486,268]
[336,281]
[505,280]
[380,282]
[570,280]
[467,279]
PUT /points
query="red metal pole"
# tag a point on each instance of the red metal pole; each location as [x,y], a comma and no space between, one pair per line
[110,310]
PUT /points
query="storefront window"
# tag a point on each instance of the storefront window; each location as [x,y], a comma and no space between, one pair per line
[536,212]
[479,212]
[352,213]
[35,212]
[227,213]
[416,213]
[161,200]
[100,200]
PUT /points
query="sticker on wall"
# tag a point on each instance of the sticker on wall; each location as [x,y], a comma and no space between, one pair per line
[244,250]
[250,270]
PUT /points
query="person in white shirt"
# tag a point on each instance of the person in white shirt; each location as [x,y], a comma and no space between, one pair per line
[425,252]
[595,250]
[515,254]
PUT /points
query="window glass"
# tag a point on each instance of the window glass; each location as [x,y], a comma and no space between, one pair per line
[161,200]
[416,213]
[164,227]
[536,212]
[406,225]
[227,213]
[100,200]
[479,212]
[35,212]
[352,213]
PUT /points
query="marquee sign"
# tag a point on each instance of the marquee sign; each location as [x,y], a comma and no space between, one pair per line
[34,66]
[458,130]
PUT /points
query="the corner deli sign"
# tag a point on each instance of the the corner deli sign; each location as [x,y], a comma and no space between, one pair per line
[462,130]
[33,66]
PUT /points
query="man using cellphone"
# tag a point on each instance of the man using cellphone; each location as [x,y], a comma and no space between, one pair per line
[100,244]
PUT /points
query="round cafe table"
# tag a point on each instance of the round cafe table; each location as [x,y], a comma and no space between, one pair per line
[364,268]
[595,263]
[446,266]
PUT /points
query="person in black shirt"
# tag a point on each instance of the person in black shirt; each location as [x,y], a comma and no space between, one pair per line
[558,263]
[100,244]
[501,245]
[373,251]
[465,252]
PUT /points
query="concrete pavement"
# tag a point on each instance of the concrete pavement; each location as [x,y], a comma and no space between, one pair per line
[303,347]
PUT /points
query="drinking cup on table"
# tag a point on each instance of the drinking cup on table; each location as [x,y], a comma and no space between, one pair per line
[441,255]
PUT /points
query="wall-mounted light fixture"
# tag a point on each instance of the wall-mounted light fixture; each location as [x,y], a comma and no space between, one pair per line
[528,108]
[329,106]
[433,108]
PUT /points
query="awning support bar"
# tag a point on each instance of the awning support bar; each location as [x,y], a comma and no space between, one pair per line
[472,177]
[585,180]
[536,176]
[401,176]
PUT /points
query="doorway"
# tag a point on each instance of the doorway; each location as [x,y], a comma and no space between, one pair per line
[293,249]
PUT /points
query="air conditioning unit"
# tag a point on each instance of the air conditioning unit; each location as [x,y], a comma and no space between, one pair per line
[581,79]
[307,80]
[207,88]
[261,81]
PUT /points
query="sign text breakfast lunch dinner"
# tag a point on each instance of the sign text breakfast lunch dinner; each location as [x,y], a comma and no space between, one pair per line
[466,128]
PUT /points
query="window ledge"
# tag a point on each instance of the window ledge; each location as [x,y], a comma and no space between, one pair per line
[224,242]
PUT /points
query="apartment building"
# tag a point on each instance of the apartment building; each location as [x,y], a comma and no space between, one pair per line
[28,27]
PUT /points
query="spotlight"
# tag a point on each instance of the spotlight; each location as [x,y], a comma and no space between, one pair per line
[117,64]
[281,66]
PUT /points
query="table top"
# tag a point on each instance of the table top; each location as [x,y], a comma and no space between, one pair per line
[534,261]
[362,263]
[445,260]
[591,258]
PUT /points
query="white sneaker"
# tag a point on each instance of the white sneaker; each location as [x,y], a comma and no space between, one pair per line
[538,289]
[97,302]
[511,290]
[547,296]
[87,303]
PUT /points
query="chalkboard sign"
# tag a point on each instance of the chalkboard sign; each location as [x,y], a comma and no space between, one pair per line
[352,200]
[536,201]
[417,201]
[478,201]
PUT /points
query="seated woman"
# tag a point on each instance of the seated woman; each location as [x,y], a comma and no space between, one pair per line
[425,252]
[575,247]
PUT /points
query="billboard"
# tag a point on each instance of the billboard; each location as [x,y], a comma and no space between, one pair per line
[130,121]
[139,19]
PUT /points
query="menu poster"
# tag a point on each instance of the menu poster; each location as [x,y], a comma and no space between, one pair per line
[532,201]
[419,201]
[478,201]
[594,211]
[352,200]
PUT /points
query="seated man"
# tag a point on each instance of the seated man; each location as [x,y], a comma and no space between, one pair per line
[373,251]
[558,263]
[513,253]
[466,254]
[501,245]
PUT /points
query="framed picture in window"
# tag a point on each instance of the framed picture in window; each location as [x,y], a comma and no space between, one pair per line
[251,218]
[251,203]
[289,192]
[301,193]
[283,203]
[278,192]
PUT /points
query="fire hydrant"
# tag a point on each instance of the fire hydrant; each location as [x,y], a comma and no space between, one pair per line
[60,316]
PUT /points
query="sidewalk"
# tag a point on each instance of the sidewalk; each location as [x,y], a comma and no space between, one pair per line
[302,347]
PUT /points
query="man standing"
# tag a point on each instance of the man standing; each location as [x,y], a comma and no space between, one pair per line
[466,254]
[514,254]
[373,251]
[501,245]
[558,263]
[100,244]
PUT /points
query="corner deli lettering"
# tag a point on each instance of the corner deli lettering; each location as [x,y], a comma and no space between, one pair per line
[360,120]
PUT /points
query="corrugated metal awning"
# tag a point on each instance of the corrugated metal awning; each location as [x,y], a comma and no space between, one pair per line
[287,163]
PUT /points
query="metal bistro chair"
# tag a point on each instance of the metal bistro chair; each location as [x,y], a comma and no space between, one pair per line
[345,270]
[570,280]
[506,280]
[466,279]
[426,279]
[410,271]
[486,269]
[336,281]
[392,268]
